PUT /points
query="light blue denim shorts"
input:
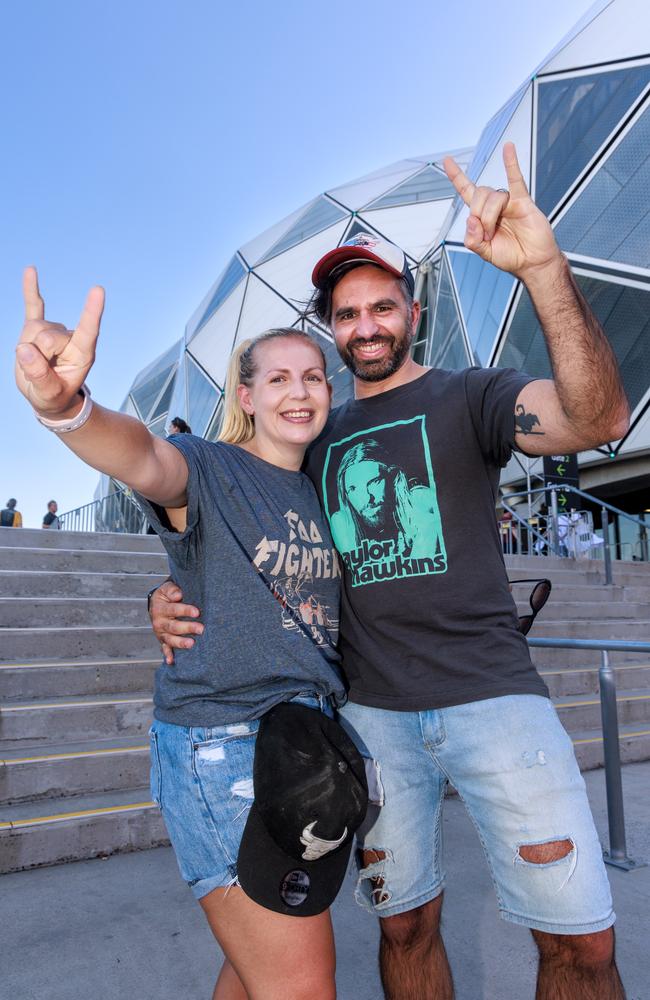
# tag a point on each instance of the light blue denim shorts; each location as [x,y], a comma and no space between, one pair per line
[202,781]
[513,766]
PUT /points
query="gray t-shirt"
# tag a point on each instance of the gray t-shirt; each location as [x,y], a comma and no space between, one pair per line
[408,479]
[258,560]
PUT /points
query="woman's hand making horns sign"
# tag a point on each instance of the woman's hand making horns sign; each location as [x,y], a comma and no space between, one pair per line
[51,361]
[505,227]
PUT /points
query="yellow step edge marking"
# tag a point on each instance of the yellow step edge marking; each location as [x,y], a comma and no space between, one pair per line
[73,755]
[593,670]
[61,817]
[621,736]
[622,698]
[74,704]
[73,663]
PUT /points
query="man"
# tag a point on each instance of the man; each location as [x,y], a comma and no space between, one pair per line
[50,520]
[10,517]
[441,683]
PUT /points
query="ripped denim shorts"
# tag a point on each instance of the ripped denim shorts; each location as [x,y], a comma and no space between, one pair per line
[202,781]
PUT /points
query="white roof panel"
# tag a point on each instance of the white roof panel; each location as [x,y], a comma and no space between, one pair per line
[262,310]
[212,345]
[290,272]
[360,192]
[621,30]
[415,228]
[255,249]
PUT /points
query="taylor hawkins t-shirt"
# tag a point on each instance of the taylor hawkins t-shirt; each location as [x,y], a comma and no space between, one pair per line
[408,480]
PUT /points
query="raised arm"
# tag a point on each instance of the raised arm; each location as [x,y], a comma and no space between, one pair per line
[584,405]
[51,366]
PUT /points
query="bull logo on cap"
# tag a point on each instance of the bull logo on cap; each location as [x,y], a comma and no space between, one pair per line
[317,847]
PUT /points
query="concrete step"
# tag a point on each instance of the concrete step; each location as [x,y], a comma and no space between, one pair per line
[71,560]
[48,833]
[634,745]
[572,570]
[25,612]
[22,644]
[566,681]
[24,583]
[592,611]
[74,718]
[115,541]
[73,769]
[23,681]
[583,711]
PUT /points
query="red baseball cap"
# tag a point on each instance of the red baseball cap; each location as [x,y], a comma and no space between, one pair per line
[364,246]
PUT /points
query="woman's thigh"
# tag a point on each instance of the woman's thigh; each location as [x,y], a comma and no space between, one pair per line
[276,957]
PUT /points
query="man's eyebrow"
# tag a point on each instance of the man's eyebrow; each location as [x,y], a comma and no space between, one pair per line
[380,302]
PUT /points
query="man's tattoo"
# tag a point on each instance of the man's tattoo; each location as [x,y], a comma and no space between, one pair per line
[524,422]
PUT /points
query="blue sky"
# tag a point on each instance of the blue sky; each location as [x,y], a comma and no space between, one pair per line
[143,142]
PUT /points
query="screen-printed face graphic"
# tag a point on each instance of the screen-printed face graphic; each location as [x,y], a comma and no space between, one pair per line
[380,497]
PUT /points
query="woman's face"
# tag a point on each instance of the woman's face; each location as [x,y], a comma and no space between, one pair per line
[290,395]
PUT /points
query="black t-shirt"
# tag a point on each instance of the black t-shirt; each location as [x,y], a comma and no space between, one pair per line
[51,520]
[408,480]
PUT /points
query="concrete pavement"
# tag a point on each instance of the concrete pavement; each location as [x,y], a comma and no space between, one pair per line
[128,927]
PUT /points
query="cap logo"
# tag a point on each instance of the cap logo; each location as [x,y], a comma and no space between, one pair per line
[294,887]
[316,847]
[362,240]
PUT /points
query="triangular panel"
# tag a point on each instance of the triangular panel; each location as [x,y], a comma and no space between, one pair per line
[516,129]
[624,312]
[128,406]
[158,426]
[146,394]
[483,291]
[178,402]
[255,249]
[162,363]
[446,341]
[162,406]
[262,310]
[214,426]
[429,184]
[610,219]
[290,272]
[415,228]
[212,346]
[619,31]
[202,397]
[228,280]
[365,189]
[574,117]
[321,214]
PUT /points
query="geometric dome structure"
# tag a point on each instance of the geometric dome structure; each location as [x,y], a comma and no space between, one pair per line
[581,125]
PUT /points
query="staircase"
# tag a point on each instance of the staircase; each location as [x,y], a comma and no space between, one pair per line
[581,607]
[77,659]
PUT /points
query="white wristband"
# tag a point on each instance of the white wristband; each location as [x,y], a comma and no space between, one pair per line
[74,423]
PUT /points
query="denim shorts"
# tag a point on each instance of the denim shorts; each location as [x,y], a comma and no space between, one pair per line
[514,768]
[202,781]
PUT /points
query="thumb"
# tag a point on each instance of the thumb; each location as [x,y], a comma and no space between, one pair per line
[475,238]
[33,365]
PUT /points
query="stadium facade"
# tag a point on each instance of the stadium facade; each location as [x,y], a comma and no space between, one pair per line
[581,124]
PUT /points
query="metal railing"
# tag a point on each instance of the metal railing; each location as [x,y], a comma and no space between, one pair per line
[534,542]
[117,511]
[617,855]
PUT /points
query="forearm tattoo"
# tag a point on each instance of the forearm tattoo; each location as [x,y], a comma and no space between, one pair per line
[524,422]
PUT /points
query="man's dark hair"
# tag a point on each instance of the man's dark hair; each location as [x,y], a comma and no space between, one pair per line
[11,503]
[50,502]
[181,425]
[321,302]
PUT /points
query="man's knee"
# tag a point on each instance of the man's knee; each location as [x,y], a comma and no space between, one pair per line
[587,951]
[414,927]
[545,854]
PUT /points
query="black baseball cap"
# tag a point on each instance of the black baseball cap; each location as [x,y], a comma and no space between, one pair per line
[310,797]
[364,247]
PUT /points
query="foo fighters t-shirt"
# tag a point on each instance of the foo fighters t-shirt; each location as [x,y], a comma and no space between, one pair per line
[408,481]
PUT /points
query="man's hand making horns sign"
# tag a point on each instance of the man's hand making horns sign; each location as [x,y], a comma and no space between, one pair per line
[505,228]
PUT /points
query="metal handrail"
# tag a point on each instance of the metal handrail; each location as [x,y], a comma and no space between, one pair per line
[565,488]
[116,512]
[617,855]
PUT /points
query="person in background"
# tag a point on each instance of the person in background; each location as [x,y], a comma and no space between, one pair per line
[10,517]
[51,520]
[179,426]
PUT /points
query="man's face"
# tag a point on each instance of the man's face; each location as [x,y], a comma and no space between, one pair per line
[52,507]
[372,325]
[365,489]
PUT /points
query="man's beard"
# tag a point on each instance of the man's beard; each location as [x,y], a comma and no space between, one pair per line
[382,368]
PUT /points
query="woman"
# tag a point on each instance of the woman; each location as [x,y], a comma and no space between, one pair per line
[249,545]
